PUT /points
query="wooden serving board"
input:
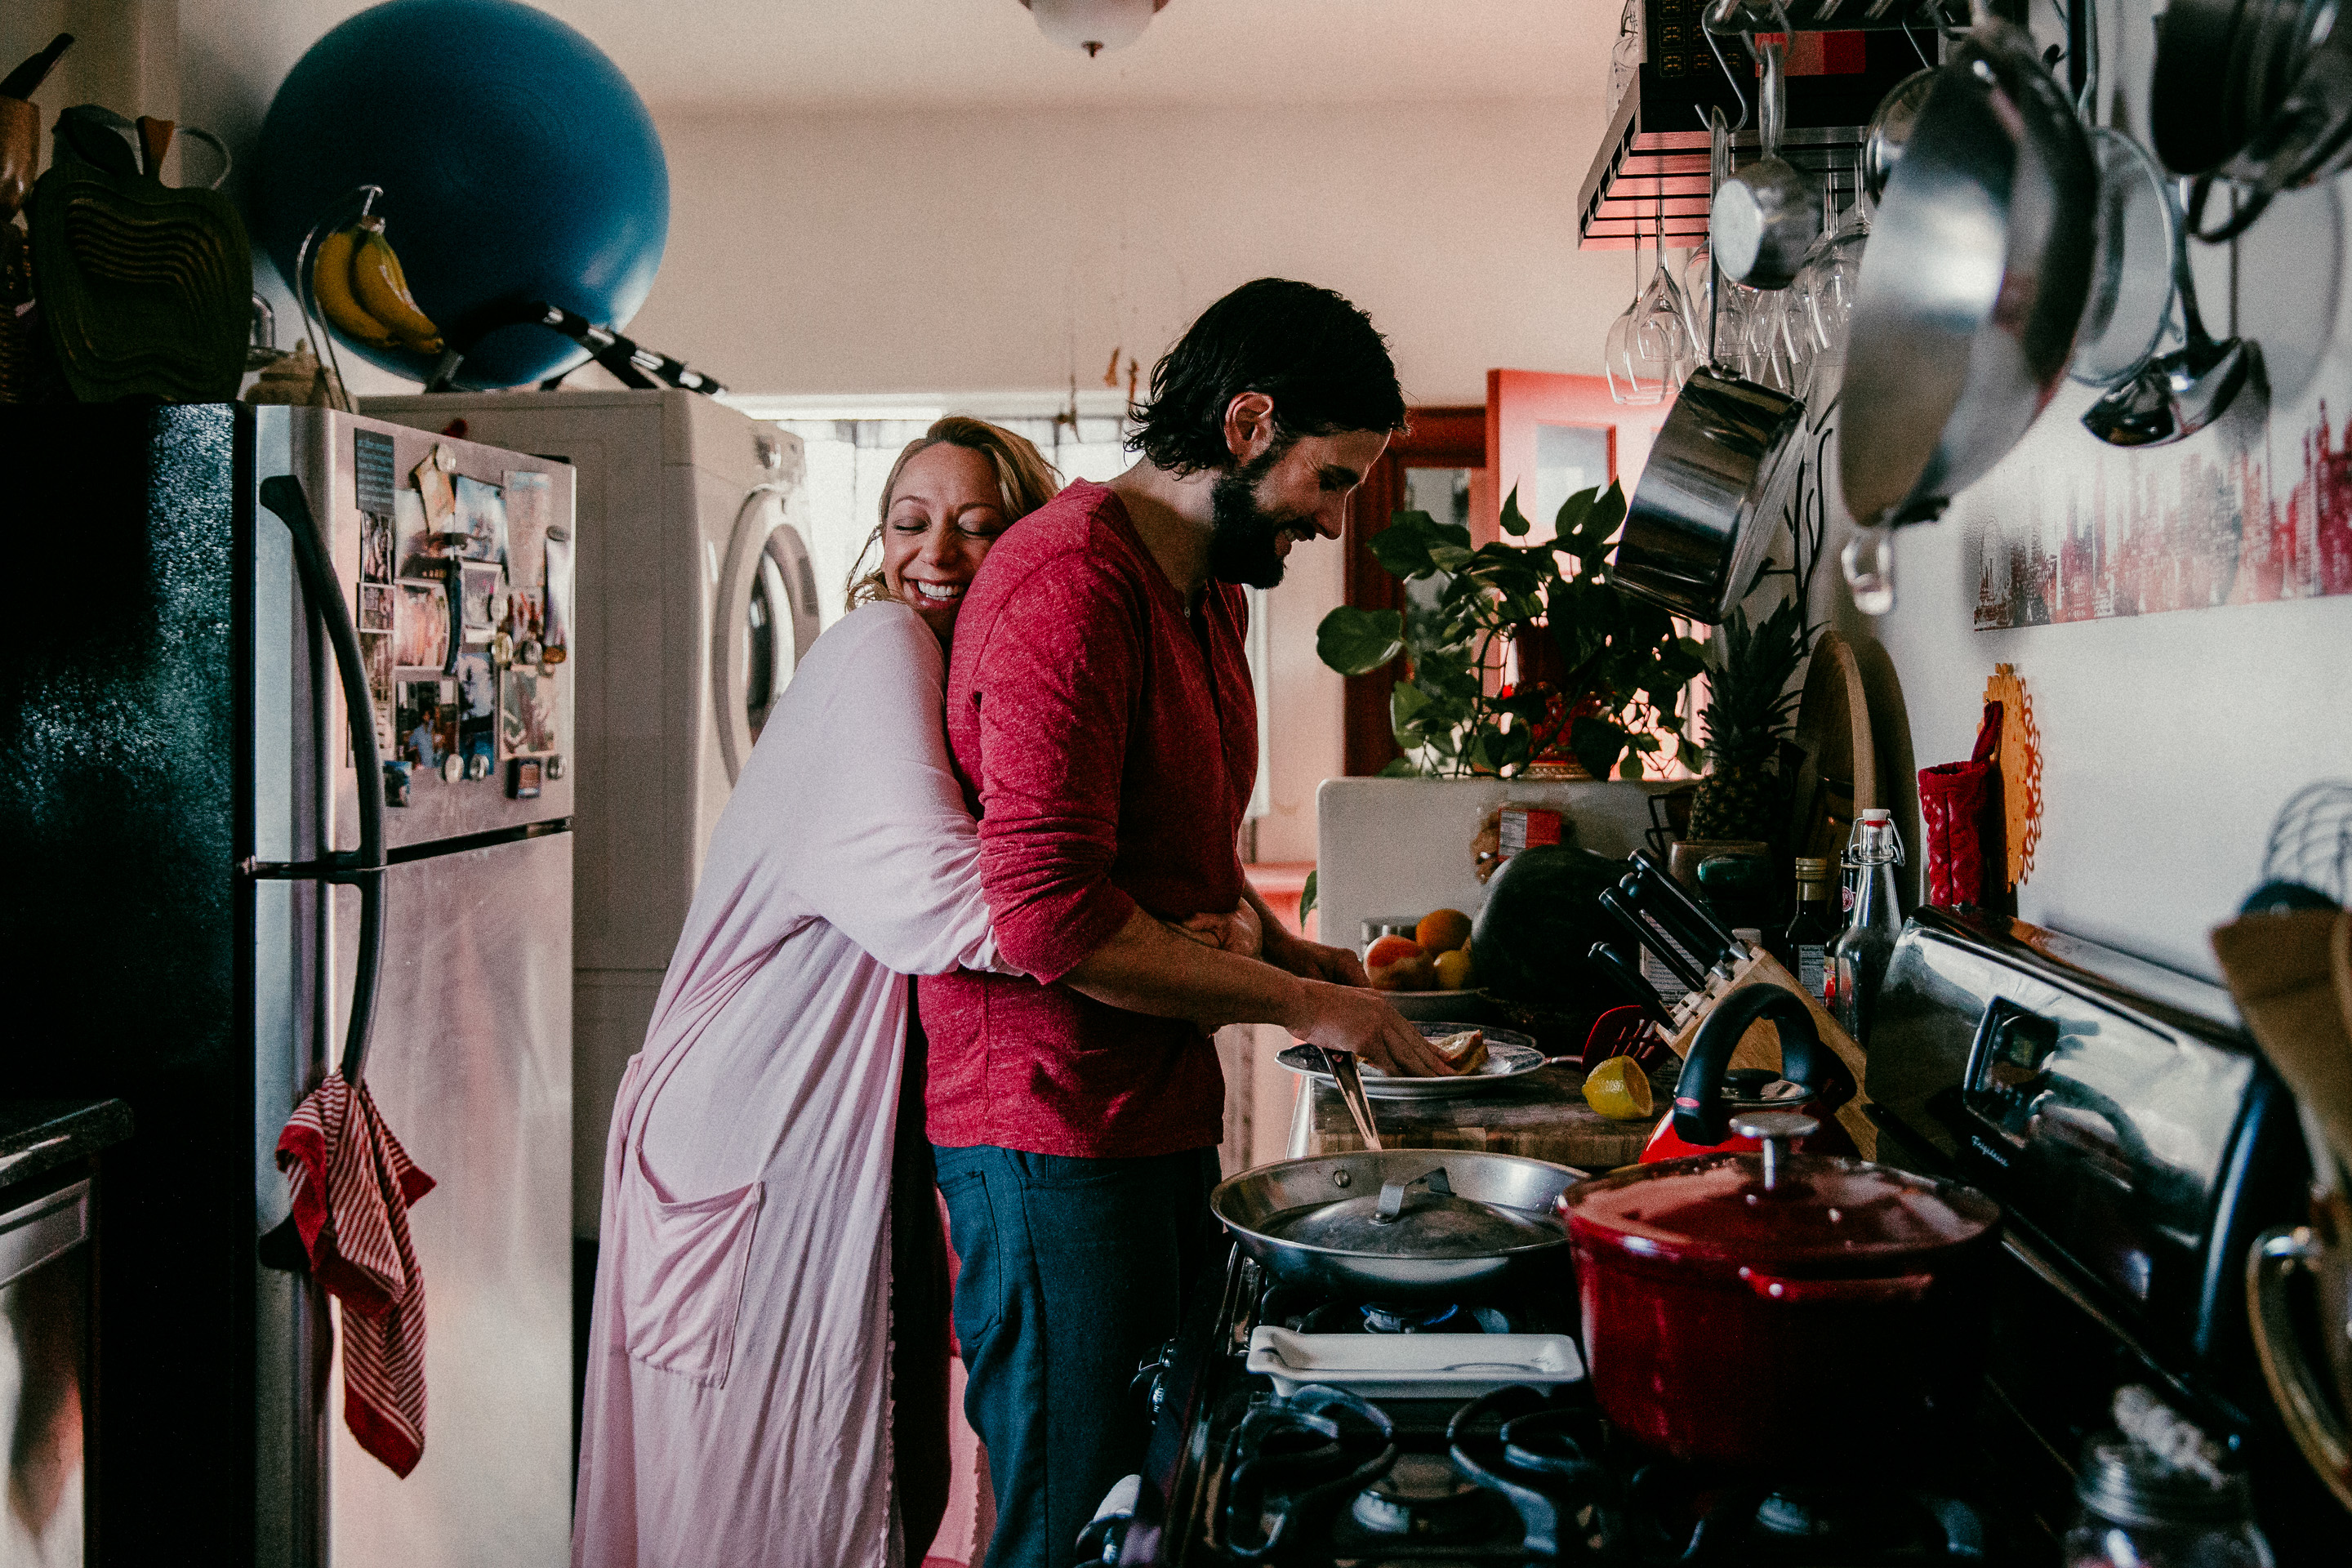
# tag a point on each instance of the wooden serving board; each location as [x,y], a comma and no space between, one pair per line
[1838,779]
[1542,1116]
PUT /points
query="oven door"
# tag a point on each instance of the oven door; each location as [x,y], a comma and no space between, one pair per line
[45,1374]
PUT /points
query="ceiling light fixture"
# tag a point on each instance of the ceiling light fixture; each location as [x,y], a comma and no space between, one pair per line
[1093,25]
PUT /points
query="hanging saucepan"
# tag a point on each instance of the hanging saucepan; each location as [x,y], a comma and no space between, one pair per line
[1978,267]
[1399,1225]
[1727,1297]
[2305,137]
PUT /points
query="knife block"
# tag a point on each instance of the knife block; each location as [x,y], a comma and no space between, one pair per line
[1761,1047]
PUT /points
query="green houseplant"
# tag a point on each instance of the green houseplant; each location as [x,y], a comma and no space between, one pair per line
[1602,673]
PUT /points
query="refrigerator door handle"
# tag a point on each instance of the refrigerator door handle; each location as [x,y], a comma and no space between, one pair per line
[282,493]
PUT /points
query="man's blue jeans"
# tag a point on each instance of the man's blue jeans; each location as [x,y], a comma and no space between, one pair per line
[1072,1272]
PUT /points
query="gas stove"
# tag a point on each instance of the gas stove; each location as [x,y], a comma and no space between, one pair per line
[1239,1474]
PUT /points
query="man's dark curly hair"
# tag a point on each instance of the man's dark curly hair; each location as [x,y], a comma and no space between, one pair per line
[1315,354]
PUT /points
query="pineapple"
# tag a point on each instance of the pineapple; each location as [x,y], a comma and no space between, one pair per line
[1748,713]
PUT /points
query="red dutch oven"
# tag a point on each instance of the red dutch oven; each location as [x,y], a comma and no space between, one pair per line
[1777,1308]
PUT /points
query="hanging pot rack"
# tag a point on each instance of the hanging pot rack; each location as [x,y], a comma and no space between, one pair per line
[1656,148]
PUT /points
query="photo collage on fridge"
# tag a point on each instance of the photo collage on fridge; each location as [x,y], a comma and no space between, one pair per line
[464,618]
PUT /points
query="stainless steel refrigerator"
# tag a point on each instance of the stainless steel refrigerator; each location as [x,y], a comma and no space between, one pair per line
[192,755]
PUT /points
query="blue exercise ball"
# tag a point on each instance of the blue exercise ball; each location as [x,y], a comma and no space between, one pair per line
[517,163]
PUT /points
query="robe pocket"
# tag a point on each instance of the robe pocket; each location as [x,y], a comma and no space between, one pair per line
[682,1279]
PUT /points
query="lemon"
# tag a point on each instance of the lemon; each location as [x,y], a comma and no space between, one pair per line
[1619,1090]
[1454,971]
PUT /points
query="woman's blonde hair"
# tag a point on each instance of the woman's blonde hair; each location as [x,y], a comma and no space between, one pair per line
[1025,482]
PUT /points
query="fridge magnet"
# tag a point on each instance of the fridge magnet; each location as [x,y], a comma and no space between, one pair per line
[525,616]
[477,597]
[531,504]
[374,476]
[395,783]
[375,652]
[431,478]
[482,518]
[375,606]
[375,546]
[526,713]
[522,778]
[427,721]
[477,710]
[555,635]
[413,541]
[420,632]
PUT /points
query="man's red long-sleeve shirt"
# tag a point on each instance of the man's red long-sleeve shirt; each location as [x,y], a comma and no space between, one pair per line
[1110,737]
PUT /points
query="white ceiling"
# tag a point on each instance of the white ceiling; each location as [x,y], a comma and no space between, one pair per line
[836,55]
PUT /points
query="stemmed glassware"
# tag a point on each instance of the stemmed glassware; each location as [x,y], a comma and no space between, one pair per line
[1832,275]
[1637,374]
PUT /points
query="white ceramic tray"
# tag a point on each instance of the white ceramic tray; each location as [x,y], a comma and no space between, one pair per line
[1412,1366]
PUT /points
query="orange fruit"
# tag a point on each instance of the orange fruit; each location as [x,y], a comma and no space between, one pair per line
[1391,950]
[1443,931]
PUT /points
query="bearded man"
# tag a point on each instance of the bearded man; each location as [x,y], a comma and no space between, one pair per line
[1099,708]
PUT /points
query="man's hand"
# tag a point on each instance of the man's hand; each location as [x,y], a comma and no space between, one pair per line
[1311,960]
[1352,1018]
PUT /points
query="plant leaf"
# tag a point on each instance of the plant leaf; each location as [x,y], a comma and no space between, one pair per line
[1515,522]
[1401,768]
[1357,642]
[1598,743]
[1307,898]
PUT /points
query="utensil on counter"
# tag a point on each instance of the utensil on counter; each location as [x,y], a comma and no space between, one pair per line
[1399,1225]
[1768,215]
[1712,1095]
[1890,130]
[2177,394]
[1978,267]
[1341,1066]
[1720,1292]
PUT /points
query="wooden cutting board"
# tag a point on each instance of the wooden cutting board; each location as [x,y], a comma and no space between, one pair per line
[1838,778]
[1541,1116]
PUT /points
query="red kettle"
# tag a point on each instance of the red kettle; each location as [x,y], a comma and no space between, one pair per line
[1811,1081]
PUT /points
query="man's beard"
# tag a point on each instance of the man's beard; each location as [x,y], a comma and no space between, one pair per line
[1242,534]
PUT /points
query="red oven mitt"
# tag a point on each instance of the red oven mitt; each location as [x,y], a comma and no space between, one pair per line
[1966,831]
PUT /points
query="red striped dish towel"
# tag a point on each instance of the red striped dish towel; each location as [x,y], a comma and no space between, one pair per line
[352,1185]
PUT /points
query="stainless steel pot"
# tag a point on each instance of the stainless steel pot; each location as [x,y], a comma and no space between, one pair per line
[1709,500]
[1399,1224]
[1975,281]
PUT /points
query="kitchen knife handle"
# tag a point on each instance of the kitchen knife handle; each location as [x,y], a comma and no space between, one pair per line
[1653,937]
[1630,976]
[1659,890]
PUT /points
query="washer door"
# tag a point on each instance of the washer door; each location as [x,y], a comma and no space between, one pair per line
[766,619]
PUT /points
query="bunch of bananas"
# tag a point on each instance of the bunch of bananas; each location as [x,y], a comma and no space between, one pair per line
[357,281]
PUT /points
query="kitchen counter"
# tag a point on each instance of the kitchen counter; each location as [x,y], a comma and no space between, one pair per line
[1542,1116]
[39,1135]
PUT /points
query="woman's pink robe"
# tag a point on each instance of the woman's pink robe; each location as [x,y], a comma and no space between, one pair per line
[738,1399]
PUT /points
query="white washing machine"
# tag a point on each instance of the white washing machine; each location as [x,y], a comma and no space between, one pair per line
[696,599]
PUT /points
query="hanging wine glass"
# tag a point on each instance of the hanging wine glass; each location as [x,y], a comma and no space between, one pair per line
[1662,333]
[1833,276]
[1631,357]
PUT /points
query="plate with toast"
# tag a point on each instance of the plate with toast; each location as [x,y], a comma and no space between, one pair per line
[1481,1056]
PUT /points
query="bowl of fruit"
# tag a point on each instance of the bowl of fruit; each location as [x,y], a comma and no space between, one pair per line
[1428,973]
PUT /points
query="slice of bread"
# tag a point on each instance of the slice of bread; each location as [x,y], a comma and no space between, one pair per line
[1464,1052]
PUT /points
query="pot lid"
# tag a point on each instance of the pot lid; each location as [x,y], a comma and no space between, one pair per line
[1778,1209]
[1420,1218]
